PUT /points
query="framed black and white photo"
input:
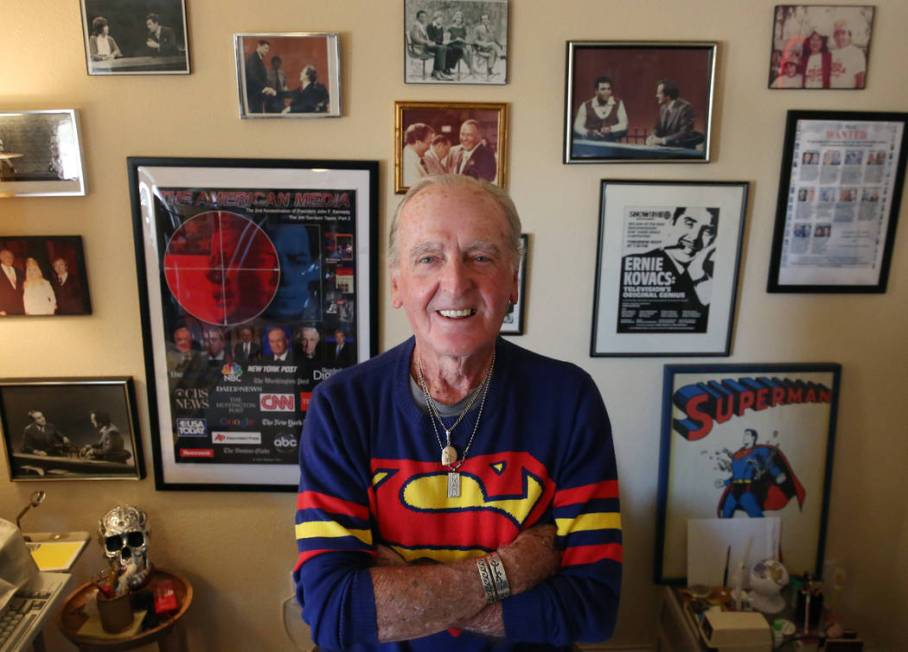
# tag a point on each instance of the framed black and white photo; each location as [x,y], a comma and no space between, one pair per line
[839,194]
[468,138]
[514,322]
[40,154]
[456,41]
[70,429]
[288,75]
[667,267]
[820,46]
[43,276]
[644,102]
[128,38]
[746,441]
[257,281]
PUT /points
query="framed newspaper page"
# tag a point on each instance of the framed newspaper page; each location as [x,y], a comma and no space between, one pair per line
[257,281]
[667,267]
[839,196]
[746,441]
[41,154]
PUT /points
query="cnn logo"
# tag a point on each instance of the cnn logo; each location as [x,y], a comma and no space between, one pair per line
[277,403]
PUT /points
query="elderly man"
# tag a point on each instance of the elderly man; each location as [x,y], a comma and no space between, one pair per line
[457,492]
[12,281]
[848,61]
[471,157]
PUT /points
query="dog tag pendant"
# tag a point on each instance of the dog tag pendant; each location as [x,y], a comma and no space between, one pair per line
[448,455]
[453,485]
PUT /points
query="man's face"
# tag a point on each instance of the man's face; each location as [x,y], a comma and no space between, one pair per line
[749,439]
[604,91]
[60,266]
[339,337]
[422,146]
[484,19]
[310,340]
[214,340]
[262,49]
[791,69]
[842,37]
[277,341]
[469,135]
[39,418]
[93,419]
[441,149]
[437,19]
[661,97]
[455,274]
[182,338]
[151,25]
[246,335]
[692,231]
[422,17]
[6,257]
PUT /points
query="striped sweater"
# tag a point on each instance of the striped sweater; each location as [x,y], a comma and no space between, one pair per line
[369,475]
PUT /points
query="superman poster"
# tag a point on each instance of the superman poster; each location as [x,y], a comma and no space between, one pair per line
[747,441]
[258,285]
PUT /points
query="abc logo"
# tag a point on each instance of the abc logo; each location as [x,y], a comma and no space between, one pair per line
[285,441]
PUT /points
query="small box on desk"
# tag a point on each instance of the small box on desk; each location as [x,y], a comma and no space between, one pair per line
[736,631]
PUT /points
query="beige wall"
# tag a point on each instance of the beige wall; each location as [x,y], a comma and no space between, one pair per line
[214,538]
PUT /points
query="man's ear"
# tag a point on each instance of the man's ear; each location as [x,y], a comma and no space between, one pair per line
[515,287]
[395,289]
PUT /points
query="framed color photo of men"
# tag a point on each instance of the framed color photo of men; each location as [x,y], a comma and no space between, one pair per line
[839,195]
[70,429]
[257,281]
[456,41]
[40,154]
[515,320]
[288,75]
[746,441]
[468,138]
[130,38]
[820,46]
[43,276]
[638,102]
[667,267]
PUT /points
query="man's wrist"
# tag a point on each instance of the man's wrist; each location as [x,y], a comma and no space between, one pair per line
[493,578]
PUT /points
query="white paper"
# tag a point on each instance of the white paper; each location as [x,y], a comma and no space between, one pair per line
[710,541]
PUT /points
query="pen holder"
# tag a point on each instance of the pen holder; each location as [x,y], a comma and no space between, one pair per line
[115,613]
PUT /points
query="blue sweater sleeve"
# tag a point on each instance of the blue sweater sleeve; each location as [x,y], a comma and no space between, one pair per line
[580,603]
[334,533]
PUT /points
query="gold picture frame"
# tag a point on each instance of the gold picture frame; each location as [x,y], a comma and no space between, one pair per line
[434,130]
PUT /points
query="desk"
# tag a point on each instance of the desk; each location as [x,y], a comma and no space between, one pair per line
[175,63]
[585,148]
[676,631]
[168,634]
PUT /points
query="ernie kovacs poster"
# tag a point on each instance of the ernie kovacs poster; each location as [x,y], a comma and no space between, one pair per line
[747,441]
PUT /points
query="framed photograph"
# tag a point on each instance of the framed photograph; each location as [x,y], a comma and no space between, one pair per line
[467,138]
[70,429]
[820,46]
[43,276]
[646,102]
[257,280]
[288,75]
[667,267]
[129,38]
[456,41]
[746,441]
[839,197]
[515,319]
[40,154]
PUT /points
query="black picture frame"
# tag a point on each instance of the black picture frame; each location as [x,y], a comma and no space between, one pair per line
[650,303]
[515,321]
[63,290]
[71,429]
[822,197]
[661,96]
[778,402]
[286,249]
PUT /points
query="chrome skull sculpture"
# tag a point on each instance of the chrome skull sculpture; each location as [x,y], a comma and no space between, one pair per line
[123,532]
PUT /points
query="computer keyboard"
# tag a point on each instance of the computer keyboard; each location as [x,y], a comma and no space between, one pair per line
[27,611]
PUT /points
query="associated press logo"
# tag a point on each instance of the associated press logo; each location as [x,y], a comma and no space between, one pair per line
[232,437]
[285,441]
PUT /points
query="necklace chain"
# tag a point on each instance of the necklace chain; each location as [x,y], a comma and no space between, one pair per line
[433,411]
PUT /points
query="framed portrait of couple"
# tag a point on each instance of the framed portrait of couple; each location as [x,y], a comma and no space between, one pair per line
[667,267]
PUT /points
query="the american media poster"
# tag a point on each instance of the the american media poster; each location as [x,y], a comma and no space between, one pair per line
[747,441]
[668,273]
[260,300]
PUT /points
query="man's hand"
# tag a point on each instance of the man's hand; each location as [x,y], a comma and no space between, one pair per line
[530,558]
[153,44]
[697,268]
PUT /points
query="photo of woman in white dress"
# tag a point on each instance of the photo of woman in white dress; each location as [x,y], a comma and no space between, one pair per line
[38,295]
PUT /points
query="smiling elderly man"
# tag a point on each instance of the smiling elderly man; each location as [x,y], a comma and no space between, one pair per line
[457,492]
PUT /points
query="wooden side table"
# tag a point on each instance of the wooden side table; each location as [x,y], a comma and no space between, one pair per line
[169,633]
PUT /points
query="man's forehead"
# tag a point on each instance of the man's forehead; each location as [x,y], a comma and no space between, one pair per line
[449,206]
[698,214]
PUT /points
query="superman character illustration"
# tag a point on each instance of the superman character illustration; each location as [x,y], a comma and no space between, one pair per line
[761,479]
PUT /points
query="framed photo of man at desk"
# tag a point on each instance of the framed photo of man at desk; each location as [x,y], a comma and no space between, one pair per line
[746,441]
[128,38]
[71,429]
[647,102]
[667,267]
[257,281]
